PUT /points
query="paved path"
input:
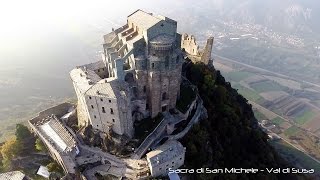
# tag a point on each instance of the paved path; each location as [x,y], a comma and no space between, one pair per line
[156,133]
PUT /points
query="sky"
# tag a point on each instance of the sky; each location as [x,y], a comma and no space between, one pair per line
[25,24]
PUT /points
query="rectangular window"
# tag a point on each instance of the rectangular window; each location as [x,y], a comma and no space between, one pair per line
[92,106]
[144,88]
[101,99]
[95,116]
[152,65]
[109,101]
[103,110]
[111,110]
[113,120]
[89,97]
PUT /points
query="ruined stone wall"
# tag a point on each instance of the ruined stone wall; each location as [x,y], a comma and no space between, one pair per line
[189,44]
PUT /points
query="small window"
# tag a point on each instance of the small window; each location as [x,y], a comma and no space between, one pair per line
[152,65]
[102,69]
[111,110]
[144,89]
[167,61]
[162,25]
[89,97]
[97,125]
[92,106]
[98,70]
[172,162]
[147,106]
[180,158]
[103,110]
[95,116]
[164,96]
[101,99]
[113,120]
[109,101]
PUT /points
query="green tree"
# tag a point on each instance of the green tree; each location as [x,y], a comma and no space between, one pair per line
[54,167]
[9,150]
[22,132]
[40,146]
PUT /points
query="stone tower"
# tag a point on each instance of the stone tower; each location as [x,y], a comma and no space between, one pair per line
[206,56]
[145,54]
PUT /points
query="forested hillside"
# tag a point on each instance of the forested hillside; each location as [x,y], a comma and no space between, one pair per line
[230,137]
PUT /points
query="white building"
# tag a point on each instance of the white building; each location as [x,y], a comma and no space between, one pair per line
[169,155]
[102,102]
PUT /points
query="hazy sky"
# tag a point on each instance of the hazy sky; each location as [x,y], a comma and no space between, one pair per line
[28,27]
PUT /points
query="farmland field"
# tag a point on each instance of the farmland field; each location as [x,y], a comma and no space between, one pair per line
[295,156]
[266,86]
[247,93]
[291,131]
[259,115]
[238,76]
[277,121]
[303,118]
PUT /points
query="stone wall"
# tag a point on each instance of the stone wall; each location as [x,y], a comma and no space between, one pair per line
[206,55]
[191,48]
[189,44]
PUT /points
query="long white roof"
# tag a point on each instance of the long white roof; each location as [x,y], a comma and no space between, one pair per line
[54,136]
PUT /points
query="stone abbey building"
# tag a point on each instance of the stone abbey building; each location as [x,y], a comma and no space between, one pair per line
[138,76]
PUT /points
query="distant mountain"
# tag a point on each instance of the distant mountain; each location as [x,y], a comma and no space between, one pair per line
[286,16]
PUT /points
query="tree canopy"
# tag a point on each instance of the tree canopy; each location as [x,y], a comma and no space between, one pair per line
[230,137]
